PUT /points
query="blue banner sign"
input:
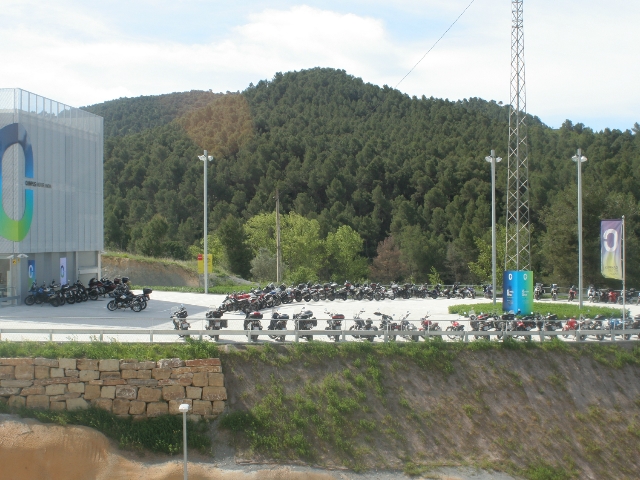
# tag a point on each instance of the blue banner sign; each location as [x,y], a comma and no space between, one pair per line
[517,288]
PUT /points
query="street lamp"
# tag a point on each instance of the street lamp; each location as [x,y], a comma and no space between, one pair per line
[184,408]
[579,159]
[205,158]
[493,160]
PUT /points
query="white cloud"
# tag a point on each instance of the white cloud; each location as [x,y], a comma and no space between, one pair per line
[580,61]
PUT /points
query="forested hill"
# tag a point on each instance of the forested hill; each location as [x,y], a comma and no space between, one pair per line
[344,152]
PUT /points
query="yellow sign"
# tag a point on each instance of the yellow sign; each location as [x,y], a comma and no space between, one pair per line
[201,263]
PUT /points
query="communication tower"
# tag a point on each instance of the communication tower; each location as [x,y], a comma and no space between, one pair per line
[518,234]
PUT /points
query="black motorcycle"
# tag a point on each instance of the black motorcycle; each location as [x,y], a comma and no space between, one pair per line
[123,300]
[305,321]
[214,321]
[252,322]
[278,322]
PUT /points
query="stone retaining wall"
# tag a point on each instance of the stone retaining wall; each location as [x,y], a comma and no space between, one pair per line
[124,387]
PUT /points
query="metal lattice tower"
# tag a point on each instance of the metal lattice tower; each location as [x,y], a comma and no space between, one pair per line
[518,235]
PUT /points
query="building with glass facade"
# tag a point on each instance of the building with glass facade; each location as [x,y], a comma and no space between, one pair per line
[51,202]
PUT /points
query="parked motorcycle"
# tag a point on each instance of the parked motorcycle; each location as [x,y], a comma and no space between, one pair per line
[407,326]
[124,299]
[334,323]
[305,321]
[214,321]
[538,291]
[387,323]
[360,324]
[572,293]
[455,327]
[278,322]
[252,323]
[40,295]
[179,318]
[554,291]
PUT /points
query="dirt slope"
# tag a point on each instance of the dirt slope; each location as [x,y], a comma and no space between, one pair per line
[30,450]
[518,411]
[148,272]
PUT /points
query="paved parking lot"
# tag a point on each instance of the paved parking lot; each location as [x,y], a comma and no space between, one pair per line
[94,315]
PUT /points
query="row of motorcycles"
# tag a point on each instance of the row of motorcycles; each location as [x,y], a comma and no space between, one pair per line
[485,322]
[594,295]
[56,295]
[305,321]
[273,296]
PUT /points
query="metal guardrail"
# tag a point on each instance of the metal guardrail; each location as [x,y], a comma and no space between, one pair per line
[387,335]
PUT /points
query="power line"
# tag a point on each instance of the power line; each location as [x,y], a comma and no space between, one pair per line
[433,46]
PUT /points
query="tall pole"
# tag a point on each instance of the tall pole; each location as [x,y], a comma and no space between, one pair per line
[624,274]
[184,434]
[579,159]
[493,160]
[205,158]
[278,246]
[518,229]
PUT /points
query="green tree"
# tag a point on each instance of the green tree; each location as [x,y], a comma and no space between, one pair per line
[233,240]
[343,249]
[153,234]
[263,266]
[483,267]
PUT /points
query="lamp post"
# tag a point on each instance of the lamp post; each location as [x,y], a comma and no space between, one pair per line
[493,160]
[579,159]
[205,158]
[184,408]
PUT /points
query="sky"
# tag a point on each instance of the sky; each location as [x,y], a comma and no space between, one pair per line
[581,56]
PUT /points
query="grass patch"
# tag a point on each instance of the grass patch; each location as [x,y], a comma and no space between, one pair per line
[191,349]
[559,309]
[160,434]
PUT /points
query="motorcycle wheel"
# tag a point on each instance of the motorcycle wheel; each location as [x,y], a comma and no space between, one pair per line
[554,297]
[38,300]
[315,297]
[111,306]
[298,297]
[61,300]
[144,304]
[309,337]
[136,307]
[55,302]
[375,329]
[353,327]
[273,337]
[377,297]
[600,337]
[582,338]
[29,300]
[451,329]
[215,337]
[93,295]
[627,336]
[331,297]
[70,299]
[281,338]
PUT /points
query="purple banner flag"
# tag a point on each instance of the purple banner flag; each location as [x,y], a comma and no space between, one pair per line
[611,248]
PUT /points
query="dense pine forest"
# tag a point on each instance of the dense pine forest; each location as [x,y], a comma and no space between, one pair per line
[373,184]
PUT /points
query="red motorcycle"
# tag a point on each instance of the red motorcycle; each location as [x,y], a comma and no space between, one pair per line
[613,296]
[454,327]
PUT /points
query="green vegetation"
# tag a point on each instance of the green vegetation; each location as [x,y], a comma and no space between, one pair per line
[562,310]
[345,153]
[191,349]
[160,434]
